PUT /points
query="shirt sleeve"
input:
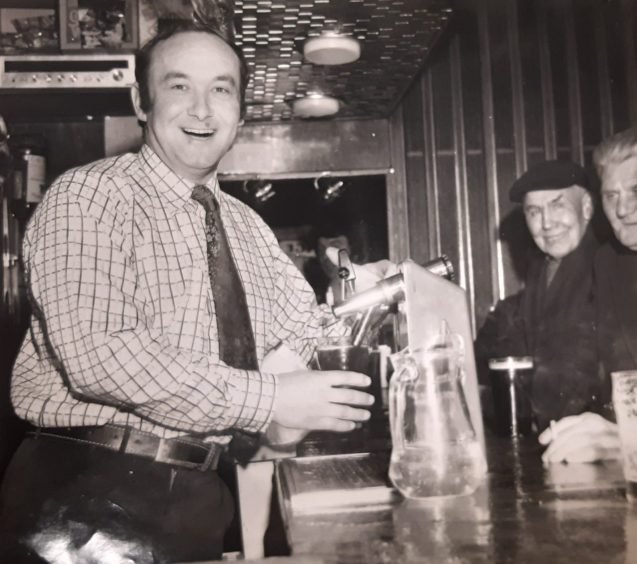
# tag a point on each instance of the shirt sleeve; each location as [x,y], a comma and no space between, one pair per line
[85,292]
[298,319]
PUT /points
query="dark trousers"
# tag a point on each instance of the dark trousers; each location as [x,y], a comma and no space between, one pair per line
[60,487]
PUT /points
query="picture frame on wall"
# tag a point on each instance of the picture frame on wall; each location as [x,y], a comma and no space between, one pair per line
[98,25]
[27,30]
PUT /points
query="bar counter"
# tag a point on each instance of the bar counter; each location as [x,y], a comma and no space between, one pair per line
[523,513]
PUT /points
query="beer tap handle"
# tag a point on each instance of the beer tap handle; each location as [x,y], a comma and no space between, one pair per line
[362,328]
[346,274]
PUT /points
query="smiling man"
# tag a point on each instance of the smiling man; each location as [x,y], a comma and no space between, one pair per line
[553,318]
[156,299]
[588,437]
[192,109]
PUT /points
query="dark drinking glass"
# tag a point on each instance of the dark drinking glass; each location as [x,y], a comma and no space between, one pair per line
[511,384]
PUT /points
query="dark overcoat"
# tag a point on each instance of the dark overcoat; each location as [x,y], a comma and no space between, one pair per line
[556,325]
[616,286]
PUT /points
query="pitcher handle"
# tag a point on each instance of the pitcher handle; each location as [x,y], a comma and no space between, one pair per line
[406,371]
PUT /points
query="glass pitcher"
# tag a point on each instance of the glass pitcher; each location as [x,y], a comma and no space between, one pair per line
[435,449]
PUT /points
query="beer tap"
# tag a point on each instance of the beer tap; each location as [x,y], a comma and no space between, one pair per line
[389,290]
[346,274]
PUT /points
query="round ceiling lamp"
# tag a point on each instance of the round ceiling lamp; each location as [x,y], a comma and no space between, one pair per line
[331,48]
[315,105]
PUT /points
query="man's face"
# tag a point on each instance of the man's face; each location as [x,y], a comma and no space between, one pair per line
[557,219]
[619,199]
[194,115]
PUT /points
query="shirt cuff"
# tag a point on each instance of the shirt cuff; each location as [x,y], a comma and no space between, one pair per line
[252,399]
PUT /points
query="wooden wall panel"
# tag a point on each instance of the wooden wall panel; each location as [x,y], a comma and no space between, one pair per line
[415,176]
[513,82]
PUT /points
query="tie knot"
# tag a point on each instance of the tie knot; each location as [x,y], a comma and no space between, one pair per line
[204,196]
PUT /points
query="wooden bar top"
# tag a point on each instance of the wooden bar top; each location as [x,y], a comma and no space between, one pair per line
[524,513]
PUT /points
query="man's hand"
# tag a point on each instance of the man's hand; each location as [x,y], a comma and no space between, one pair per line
[581,438]
[318,401]
[366,274]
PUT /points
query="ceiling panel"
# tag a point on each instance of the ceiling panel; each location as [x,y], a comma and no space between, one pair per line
[396,37]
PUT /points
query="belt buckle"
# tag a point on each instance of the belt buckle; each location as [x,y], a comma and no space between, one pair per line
[210,462]
[163,455]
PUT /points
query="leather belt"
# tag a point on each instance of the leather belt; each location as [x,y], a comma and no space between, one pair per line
[177,452]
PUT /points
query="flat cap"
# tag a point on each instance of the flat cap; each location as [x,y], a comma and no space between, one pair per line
[549,175]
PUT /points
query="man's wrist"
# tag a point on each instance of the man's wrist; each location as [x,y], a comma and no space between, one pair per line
[282,438]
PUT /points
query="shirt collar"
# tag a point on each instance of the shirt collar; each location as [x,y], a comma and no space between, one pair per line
[174,191]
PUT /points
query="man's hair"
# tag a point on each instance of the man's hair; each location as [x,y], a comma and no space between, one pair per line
[615,149]
[143,57]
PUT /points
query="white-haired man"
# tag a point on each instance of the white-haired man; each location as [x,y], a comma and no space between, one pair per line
[615,272]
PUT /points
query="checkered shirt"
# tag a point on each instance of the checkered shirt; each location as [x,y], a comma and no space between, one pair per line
[123,329]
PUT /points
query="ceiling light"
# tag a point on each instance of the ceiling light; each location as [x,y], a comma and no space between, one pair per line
[259,190]
[315,105]
[331,48]
[329,188]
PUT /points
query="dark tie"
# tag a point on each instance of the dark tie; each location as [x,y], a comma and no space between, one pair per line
[236,340]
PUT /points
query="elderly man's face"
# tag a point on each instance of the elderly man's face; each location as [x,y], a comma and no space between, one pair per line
[619,199]
[557,219]
[194,113]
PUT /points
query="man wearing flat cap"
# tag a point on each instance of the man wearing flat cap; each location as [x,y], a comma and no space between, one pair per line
[553,318]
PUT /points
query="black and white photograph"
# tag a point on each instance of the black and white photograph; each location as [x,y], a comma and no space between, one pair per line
[318,281]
